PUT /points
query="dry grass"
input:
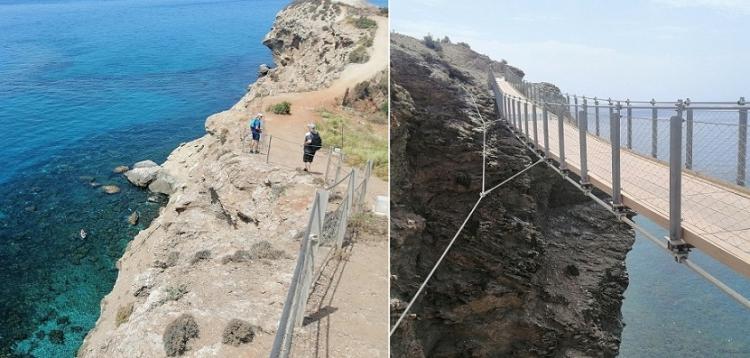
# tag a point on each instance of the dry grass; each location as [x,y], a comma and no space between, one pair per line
[360,141]
[123,314]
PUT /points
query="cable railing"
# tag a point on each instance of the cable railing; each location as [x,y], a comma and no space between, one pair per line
[715,134]
[682,164]
[324,228]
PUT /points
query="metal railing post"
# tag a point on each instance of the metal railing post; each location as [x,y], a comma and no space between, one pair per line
[596,111]
[328,165]
[526,118]
[675,243]
[689,136]
[742,144]
[561,142]
[347,209]
[614,138]
[268,150]
[534,125]
[545,130]
[575,101]
[582,134]
[519,113]
[654,129]
[340,156]
[611,107]
[508,116]
[630,124]
[365,180]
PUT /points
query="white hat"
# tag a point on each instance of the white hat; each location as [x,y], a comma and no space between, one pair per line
[259,114]
[311,125]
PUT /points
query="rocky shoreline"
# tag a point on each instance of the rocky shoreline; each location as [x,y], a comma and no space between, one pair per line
[209,275]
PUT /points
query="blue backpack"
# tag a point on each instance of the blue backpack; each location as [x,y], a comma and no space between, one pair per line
[255,125]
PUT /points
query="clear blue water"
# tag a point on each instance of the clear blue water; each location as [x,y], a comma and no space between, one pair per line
[670,311]
[86,86]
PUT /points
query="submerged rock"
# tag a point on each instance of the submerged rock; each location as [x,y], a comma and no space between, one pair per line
[111,189]
[57,336]
[133,218]
[120,169]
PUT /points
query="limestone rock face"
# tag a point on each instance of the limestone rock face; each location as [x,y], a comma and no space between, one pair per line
[311,42]
[539,269]
[263,70]
[164,183]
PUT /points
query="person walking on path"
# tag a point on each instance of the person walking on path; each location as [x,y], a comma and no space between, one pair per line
[313,142]
[256,128]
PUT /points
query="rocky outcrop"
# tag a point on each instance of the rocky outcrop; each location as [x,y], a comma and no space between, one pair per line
[311,42]
[539,269]
[143,173]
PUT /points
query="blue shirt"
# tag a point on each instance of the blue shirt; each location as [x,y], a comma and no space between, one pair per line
[255,124]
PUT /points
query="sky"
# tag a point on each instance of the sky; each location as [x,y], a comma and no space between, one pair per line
[639,49]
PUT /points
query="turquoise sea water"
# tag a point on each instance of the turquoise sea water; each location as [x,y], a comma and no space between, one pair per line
[670,311]
[86,86]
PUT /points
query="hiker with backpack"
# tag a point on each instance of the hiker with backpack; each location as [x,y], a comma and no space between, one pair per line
[313,142]
[256,127]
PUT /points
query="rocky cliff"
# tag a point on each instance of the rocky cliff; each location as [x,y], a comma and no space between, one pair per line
[210,274]
[539,270]
[312,41]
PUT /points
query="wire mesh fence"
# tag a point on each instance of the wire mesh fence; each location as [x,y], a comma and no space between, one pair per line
[324,229]
[682,164]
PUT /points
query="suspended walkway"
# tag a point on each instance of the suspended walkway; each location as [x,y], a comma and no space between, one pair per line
[647,163]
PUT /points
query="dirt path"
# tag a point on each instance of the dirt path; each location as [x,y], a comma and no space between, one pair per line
[288,130]
[347,309]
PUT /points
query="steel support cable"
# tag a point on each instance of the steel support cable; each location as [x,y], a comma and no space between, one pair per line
[453,240]
[691,265]
[484,135]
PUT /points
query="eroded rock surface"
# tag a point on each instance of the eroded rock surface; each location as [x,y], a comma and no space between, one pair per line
[539,270]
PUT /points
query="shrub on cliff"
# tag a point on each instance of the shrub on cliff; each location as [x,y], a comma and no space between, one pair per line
[238,332]
[200,256]
[174,293]
[178,335]
[364,23]
[431,43]
[264,250]
[281,108]
[359,55]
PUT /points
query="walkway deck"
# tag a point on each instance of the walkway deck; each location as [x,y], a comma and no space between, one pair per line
[716,217]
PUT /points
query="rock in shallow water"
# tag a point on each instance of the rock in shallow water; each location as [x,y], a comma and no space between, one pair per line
[142,176]
[120,169]
[133,218]
[145,164]
[111,189]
